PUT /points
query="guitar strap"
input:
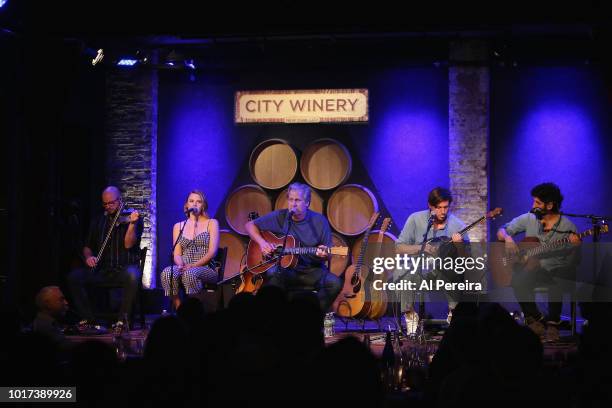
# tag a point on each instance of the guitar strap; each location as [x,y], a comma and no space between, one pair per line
[550,233]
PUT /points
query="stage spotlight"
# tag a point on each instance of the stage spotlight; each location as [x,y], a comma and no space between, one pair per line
[190,64]
[99,57]
[2,3]
[127,62]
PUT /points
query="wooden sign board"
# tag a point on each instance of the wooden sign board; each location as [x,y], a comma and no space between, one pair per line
[302,106]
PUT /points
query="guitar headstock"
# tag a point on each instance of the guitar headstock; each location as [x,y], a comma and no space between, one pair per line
[491,215]
[385,225]
[603,229]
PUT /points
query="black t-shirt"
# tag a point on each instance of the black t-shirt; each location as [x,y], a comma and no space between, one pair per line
[312,231]
[115,254]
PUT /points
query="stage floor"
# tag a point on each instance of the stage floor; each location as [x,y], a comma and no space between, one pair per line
[556,353]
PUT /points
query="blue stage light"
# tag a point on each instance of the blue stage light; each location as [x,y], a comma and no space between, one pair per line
[125,62]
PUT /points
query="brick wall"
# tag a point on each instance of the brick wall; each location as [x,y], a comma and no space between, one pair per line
[468,128]
[131,130]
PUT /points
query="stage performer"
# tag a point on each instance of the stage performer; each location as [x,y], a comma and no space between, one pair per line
[555,270]
[310,229]
[119,263]
[194,254]
[436,221]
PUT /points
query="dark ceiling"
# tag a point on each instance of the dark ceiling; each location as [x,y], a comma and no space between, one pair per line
[520,30]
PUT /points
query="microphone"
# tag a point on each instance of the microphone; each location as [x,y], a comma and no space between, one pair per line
[291,213]
[432,216]
[193,210]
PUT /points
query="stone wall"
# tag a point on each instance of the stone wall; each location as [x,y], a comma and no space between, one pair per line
[131,131]
[468,132]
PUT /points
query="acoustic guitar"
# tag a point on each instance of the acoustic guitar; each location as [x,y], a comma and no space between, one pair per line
[378,304]
[352,300]
[257,263]
[503,264]
[444,245]
[249,283]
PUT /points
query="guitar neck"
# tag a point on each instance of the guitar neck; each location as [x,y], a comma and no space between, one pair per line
[364,246]
[555,244]
[336,250]
[303,251]
[472,225]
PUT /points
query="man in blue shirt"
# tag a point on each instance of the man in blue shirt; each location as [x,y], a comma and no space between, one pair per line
[546,224]
[437,221]
[310,229]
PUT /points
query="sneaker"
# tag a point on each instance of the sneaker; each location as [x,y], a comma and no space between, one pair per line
[552,332]
[535,324]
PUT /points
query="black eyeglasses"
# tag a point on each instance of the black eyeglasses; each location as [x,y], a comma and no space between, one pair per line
[106,204]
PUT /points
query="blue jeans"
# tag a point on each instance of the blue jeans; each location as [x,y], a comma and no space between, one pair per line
[327,285]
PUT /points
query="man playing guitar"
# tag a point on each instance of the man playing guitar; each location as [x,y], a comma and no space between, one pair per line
[311,229]
[546,224]
[437,221]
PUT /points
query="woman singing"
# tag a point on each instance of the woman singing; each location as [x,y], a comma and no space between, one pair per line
[196,248]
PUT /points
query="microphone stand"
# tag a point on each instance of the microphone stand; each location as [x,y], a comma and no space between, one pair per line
[282,249]
[596,221]
[172,265]
[420,294]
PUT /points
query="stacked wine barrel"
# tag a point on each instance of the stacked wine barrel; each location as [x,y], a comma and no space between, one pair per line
[325,165]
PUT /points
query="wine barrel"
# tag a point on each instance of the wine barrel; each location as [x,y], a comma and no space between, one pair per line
[349,209]
[388,244]
[316,202]
[273,164]
[241,202]
[325,164]
[236,248]
[338,263]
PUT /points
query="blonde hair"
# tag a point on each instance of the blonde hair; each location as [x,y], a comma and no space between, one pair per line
[204,201]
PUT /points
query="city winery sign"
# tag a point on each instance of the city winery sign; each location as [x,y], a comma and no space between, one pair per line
[302,106]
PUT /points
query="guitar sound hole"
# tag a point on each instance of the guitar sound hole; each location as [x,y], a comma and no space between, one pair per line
[357,287]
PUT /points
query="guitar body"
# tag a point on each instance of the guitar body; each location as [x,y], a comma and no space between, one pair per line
[444,247]
[351,301]
[378,304]
[258,263]
[502,265]
[252,277]
[250,282]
